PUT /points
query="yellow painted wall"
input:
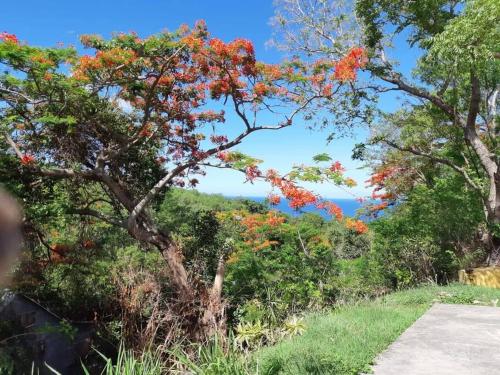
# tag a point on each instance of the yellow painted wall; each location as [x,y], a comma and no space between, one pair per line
[485,276]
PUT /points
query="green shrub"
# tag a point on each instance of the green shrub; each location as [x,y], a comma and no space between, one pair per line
[210,359]
[429,235]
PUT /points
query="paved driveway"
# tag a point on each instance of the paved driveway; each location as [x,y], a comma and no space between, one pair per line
[447,339]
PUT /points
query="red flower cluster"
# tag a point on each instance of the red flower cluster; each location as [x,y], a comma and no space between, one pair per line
[273,177]
[298,197]
[27,159]
[257,227]
[41,59]
[378,178]
[331,208]
[379,207]
[382,196]
[327,90]
[270,71]
[357,225]
[166,80]
[252,172]
[274,219]
[337,167]
[103,59]
[224,156]
[261,89]
[378,181]
[219,88]
[264,244]
[9,38]
[218,139]
[227,65]
[346,68]
[273,199]
[231,49]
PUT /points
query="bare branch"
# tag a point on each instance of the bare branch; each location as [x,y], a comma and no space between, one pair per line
[12,144]
[395,78]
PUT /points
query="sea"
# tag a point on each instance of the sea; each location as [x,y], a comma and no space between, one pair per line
[348,206]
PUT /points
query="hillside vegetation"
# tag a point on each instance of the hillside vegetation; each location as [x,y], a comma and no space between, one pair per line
[102,151]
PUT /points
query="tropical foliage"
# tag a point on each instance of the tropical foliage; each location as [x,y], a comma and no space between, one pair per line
[104,150]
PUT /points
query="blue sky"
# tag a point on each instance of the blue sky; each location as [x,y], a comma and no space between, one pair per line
[46,23]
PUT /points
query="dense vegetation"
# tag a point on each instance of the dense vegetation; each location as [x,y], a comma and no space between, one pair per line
[100,156]
[281,267]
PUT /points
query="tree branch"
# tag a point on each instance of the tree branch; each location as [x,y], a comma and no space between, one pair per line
[139,207]
[98,215]
[391,76]
[437,159]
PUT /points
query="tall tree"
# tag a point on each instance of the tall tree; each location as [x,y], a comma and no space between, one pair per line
[138,116]
[455,84]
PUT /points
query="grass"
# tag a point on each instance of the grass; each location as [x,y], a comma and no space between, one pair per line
[347,340]
[148,363]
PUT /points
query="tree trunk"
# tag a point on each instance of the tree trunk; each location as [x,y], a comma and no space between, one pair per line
[489,163]
[178,275]
[200,310]
[200,314]
[494,252]
[491,239]
[214,319]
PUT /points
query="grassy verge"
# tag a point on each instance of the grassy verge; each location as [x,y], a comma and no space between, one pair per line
[347,340]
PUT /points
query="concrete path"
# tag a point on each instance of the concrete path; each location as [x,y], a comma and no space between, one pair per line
[447,339]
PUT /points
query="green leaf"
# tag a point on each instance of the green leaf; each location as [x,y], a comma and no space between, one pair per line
[322,157]
[55,120]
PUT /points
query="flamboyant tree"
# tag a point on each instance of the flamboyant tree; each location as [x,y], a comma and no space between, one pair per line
[137,116]
[450,101]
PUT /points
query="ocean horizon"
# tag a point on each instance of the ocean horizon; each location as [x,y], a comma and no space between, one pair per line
[348,206]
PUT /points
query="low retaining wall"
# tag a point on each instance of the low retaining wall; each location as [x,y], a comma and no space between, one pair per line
[485,276]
